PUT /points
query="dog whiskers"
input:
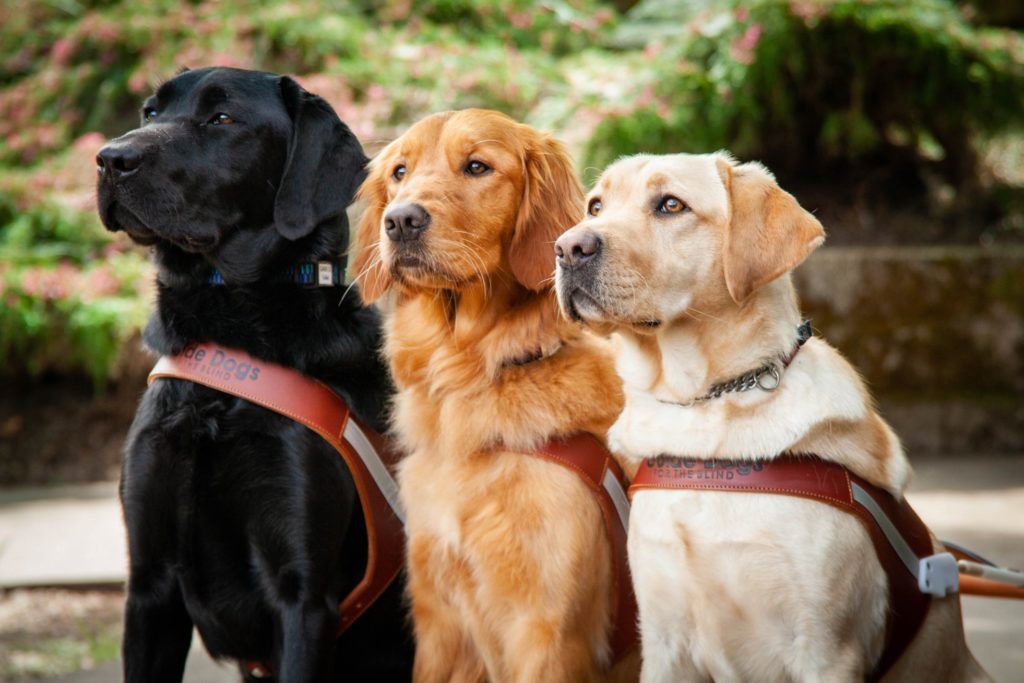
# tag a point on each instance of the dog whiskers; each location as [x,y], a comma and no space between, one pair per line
[374,262]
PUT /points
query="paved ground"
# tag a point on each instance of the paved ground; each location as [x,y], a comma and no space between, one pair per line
[74,536]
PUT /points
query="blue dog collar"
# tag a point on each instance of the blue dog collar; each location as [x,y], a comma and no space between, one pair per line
[311,274]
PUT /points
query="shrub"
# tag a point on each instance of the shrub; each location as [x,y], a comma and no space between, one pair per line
[69,318]
[70,293]
[813,85]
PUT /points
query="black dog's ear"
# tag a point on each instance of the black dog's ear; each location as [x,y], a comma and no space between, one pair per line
[325,164]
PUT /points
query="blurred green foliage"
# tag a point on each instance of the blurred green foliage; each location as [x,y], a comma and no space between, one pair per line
[69,298]
[812,86]
[809,86]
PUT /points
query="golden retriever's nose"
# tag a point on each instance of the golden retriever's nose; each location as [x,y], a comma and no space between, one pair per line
[576,248]
[405,222]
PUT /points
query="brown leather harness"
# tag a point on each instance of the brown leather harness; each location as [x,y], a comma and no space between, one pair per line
[585,455]
[809,476]
[311,403]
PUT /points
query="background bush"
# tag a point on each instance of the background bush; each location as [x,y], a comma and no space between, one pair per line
[911,88]
[921,99]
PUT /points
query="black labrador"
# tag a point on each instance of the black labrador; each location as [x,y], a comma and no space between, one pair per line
[240,521]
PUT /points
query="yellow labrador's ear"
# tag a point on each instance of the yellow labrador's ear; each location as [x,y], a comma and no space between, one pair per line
[370,272]
[769,233]
[552,203]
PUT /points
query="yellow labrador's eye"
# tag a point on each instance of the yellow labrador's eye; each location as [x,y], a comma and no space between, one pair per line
[478,168]
[221,119]
[594,207]
[672,204]
[399,172]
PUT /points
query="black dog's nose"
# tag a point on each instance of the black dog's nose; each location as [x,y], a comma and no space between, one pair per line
[575,248]
[406,222]
[118,160]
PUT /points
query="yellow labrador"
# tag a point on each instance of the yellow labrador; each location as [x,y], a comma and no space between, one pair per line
[687,258]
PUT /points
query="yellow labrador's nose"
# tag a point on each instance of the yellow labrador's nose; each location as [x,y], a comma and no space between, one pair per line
[575,248]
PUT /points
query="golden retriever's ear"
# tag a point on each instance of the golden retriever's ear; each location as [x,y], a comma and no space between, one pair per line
[552,203]
[371,275]
[769,233]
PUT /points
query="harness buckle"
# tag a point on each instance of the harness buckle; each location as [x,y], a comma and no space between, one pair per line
[938,575]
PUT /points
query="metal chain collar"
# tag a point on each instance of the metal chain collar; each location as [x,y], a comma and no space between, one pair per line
[770,371]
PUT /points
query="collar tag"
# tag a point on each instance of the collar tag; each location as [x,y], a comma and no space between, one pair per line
[324,273]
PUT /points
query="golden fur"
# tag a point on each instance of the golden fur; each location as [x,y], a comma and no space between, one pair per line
[508,560]
[730,586]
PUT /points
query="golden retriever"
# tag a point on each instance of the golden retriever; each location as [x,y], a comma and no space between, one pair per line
[508,560]
[687,258]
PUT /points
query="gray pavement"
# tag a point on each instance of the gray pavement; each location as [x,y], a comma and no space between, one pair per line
[74,536]
[979,502]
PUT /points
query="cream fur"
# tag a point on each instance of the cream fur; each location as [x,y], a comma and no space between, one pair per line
[740,587]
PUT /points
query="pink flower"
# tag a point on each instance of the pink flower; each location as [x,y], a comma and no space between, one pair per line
[99,282]
[742,48]
[89,143]
[62,51]
[752,37]
[806,9]
[521,20]
[741,13]
[137,82]
[645,97]
[47,285]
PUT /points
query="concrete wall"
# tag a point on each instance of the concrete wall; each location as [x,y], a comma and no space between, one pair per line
[938,332]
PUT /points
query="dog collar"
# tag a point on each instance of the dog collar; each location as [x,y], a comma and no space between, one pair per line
[308,274]
[767,377]
[538,354]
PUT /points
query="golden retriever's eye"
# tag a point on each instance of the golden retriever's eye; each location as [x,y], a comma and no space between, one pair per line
[399,172]
[594,207]
[475,167]
[221,119]
[672,204]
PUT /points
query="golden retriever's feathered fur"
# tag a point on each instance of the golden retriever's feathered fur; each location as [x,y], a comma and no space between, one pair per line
[508,560]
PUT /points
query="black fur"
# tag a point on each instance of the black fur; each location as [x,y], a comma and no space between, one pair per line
[241,521]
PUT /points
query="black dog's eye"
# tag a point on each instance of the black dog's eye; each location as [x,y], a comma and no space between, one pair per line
[475,167]
[221,119]
[149,113]
[672,204]
[594,207]
[399,172]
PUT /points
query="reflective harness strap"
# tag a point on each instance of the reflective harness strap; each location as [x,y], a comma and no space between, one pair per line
[311,403]
[585,455]
[902,542]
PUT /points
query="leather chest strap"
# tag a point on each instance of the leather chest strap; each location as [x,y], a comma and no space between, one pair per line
[311,403]
[808,476]
[585,455]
